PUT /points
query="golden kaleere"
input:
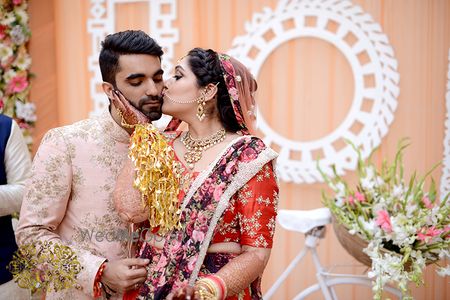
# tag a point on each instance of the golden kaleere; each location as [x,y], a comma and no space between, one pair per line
[156,176]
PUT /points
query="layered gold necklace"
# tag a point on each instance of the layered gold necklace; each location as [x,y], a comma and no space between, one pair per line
[195,147]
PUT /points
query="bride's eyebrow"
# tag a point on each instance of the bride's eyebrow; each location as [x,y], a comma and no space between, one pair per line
[179,68]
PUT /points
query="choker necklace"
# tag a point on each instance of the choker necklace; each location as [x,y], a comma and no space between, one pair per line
[196,147]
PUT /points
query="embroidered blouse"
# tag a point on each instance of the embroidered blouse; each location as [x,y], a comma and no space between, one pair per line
[251,213]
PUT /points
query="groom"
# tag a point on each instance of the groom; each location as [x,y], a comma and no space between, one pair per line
[75,169]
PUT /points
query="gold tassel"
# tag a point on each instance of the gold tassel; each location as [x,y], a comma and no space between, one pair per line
[156,176]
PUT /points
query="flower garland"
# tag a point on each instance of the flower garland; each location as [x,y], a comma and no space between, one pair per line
[15,64]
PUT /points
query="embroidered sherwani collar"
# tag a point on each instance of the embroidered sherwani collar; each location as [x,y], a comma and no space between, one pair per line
[112,128]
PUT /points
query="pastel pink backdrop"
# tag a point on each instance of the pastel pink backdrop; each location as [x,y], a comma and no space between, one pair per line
[319,80]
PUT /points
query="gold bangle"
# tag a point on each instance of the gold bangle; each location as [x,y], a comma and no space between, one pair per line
[207,289]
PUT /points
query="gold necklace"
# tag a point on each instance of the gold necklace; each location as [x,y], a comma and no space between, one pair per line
[195,147]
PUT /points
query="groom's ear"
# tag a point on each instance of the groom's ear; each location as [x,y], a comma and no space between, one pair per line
[108,89]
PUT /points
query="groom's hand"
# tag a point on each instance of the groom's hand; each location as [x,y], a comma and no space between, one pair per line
[125,274]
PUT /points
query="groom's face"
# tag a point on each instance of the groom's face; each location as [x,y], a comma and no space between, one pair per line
[140,79]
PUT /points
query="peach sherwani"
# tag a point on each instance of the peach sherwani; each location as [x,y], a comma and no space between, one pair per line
[69,196]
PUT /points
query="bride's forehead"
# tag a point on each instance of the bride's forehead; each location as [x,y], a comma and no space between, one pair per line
[183,65]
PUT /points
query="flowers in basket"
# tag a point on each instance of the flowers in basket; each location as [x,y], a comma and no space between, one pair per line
[405,227]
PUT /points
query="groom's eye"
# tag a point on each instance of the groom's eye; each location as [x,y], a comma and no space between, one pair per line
[135,83]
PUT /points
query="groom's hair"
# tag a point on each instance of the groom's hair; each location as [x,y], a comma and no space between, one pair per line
[123,43]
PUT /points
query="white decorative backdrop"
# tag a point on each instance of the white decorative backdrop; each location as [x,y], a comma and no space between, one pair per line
[382,65]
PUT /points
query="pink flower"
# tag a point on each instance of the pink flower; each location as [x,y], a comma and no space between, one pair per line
[233,93]
[231,166]
[191,265]
[248,155]
[206,186]
[198,236]
[383,220]
[218,191]
[351,200]
[17,2]
[201,219]
[162,262]
[426,201]
[426,234]
[176,245]
[359,196]
[1,104]
[17,84]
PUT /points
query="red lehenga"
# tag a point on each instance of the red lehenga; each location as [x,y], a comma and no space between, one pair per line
[234,201]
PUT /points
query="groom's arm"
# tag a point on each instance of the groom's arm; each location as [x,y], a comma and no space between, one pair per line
[45,203]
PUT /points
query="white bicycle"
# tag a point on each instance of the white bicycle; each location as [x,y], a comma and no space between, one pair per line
[312,224]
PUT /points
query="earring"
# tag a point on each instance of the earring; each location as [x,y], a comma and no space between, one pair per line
[201,107]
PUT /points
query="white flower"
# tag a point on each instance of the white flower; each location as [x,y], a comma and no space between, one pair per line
[5,53]
[398,191]
[26,111]
[367,183]
[444,271]
[10,74]
[445,253]
[379,181]
[370,172]
[22,15]
[400,233]
[339,201]
[379,206]
[340,189]
[8,19]
[23,61]
[411,209]
[368,226]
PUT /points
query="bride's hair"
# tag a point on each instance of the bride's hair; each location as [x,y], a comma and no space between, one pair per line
[206,66]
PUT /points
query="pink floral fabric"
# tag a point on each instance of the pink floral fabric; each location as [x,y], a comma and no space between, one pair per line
[172,266]
[229,75]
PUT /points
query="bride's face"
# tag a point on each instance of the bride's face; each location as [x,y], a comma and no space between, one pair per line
[181,91]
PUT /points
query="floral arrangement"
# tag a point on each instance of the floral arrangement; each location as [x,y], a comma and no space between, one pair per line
[15,63]
[406,227]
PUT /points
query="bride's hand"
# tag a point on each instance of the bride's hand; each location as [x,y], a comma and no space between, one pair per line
[130,114]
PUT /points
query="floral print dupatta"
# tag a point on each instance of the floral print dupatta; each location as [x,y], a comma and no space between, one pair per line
[184,250]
